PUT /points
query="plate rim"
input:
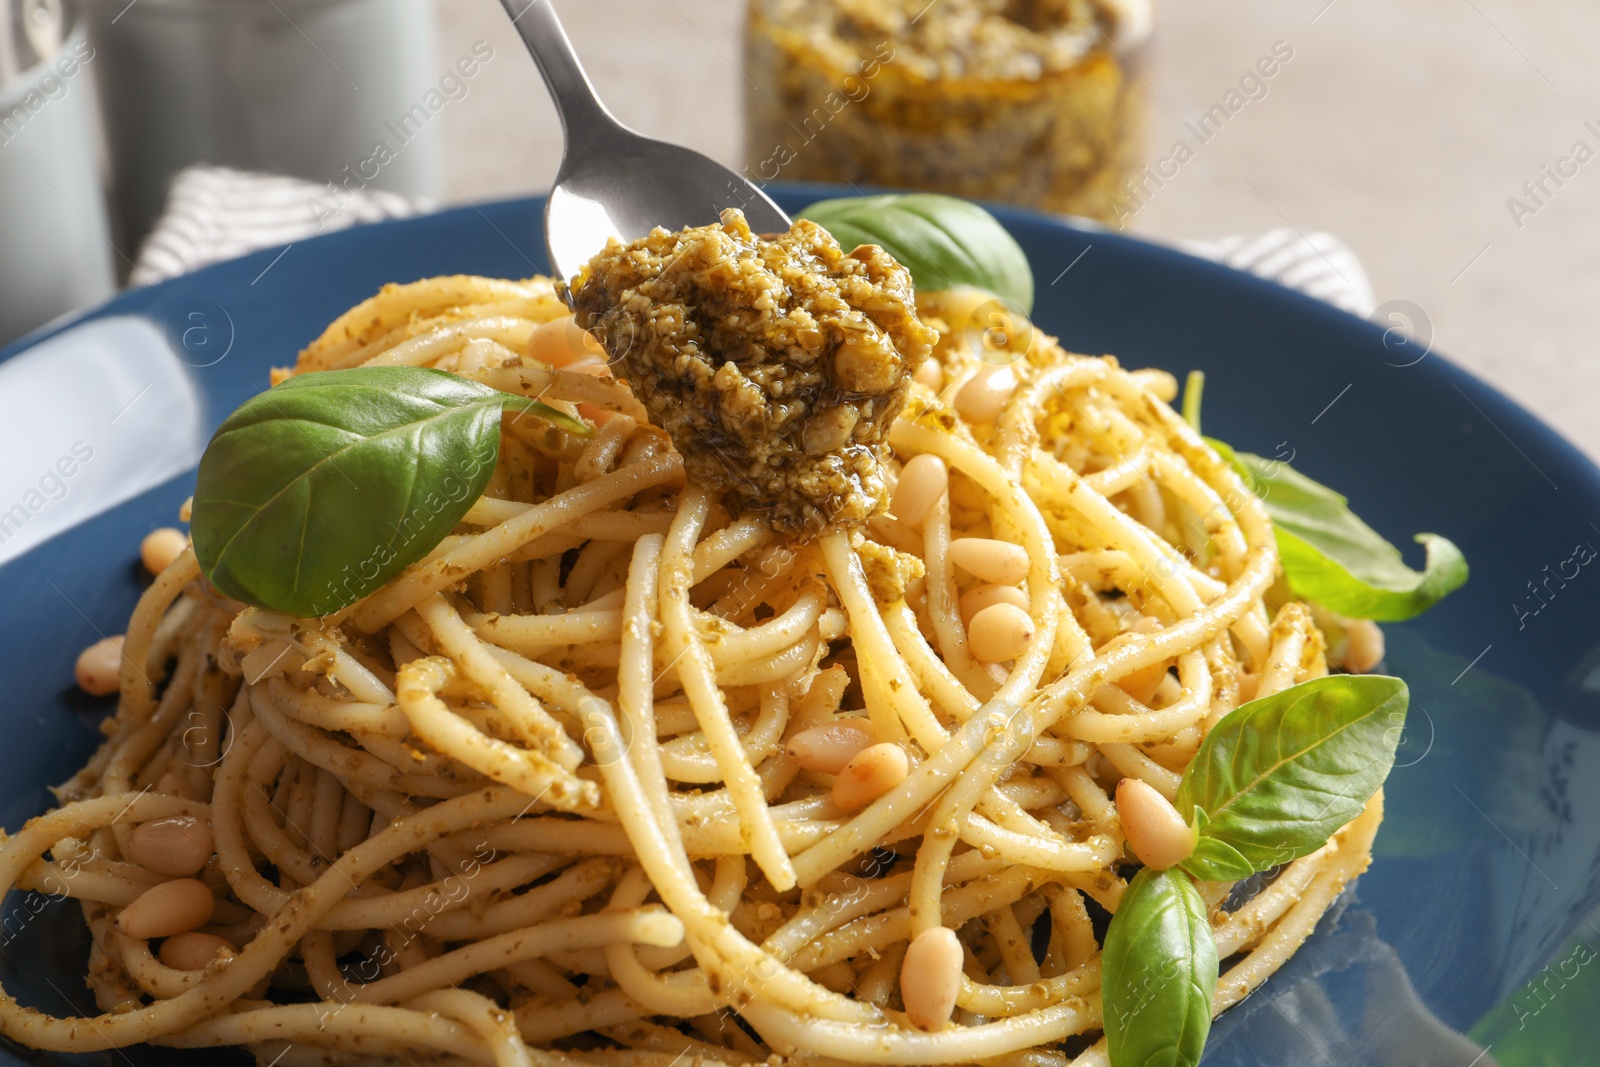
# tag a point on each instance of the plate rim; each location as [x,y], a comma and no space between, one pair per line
[134,298]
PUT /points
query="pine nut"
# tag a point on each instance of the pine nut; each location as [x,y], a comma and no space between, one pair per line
[998,562]
[829,430]
[160,547]
[982,398]
[168,908]
[99,667]
[177,846]
[930,374]
[1363,648]
[1000,633]
[930,977]
[870,773]
[193,950]
[867,363]
[976,599]
[923,480]
[560,342]
[1156,833]
[829,747]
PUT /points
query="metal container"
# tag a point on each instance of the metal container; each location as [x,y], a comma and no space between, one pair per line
[55,252]
[309,88]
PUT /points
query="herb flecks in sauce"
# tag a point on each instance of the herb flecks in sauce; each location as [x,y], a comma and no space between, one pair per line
[776,364]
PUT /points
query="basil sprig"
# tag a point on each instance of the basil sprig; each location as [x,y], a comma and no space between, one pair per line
[317,491]
[1158,973]
[1276,777]
[1272,782]
[942,240]
[1334,559]
[1329,555]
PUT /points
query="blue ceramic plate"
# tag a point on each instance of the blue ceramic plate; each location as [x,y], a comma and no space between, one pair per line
[1468,941]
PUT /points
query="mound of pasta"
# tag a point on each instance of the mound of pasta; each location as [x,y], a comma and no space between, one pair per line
[612,775]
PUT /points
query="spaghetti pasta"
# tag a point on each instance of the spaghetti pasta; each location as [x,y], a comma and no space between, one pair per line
[531,801]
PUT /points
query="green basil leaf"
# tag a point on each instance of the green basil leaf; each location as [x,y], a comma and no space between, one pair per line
[1558,1001]
[1158,973]
[1276,777]
[1215,857]
[1333,558]
[942,240]
[1194,388]
[317,491]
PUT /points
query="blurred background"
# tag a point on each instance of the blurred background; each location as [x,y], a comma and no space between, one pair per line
[1448,143]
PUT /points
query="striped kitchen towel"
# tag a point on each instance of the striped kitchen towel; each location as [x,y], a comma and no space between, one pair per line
[1317,264]
[216,213]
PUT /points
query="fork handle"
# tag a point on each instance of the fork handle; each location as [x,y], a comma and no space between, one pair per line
[582,113]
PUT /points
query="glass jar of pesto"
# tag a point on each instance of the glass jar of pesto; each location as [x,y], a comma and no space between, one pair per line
[1033,102]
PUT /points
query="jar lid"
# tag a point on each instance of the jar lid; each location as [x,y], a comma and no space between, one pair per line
[978,40]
